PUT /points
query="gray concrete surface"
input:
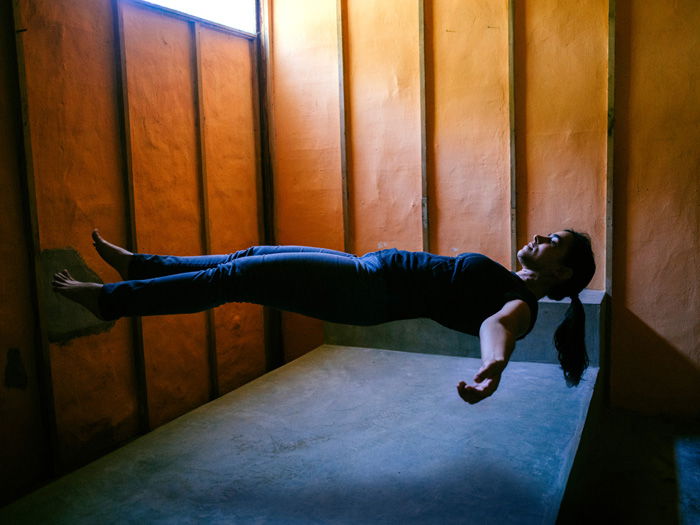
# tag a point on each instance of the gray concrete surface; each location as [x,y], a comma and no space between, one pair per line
[342,435]
[426,336]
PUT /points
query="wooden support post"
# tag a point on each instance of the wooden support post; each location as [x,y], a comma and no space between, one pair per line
[205,231]
[511,120]
[132,241]
[27,185]
[425,215]
[340,24]
[274,352]
[610,164]
[606,336]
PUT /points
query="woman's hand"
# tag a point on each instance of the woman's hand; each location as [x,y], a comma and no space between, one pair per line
[497,335]
[486,379]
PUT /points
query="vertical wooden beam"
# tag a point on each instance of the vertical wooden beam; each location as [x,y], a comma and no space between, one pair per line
[610,165]
[27,185]
[606,336]
[128,177]
[205,230]
[274,353]
[271,330]
[253,51]
[425,219]
[511,120]
[340,24]
[266,119]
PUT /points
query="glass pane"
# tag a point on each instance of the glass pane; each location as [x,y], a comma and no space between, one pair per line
[239,14]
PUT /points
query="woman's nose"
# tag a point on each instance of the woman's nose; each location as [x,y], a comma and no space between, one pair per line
[540,239]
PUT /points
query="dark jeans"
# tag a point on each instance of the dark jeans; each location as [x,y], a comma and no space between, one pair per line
[329,285]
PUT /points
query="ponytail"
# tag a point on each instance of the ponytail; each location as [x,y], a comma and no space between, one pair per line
[570,342]
[569,337]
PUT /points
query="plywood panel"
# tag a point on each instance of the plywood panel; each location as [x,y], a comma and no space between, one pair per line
[656,330]
[231,168]
[71,96]
[384,124]
[561,119]
[23,442]
[469,192]
[306,134]
[160,78]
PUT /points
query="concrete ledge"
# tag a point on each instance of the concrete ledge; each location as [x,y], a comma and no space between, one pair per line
[424,335]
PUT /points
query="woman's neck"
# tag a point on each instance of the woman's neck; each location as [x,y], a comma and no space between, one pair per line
[534,282]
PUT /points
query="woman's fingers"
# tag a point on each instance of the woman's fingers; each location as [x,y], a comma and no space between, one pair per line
[475,393]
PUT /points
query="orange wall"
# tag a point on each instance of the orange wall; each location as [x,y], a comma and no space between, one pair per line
[382,74]
[561,119]
[656,307]
[469,113]
[560,86]
[77,160]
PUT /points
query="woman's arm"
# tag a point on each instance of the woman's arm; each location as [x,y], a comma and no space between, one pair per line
[497,335]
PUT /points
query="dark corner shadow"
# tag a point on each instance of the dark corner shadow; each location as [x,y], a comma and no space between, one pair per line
[641,468]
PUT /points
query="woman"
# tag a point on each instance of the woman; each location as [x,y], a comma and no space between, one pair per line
[469,293]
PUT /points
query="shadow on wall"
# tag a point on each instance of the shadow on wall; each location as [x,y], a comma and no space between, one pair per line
[640,469]
[648,373]
[67,320]
[660,376]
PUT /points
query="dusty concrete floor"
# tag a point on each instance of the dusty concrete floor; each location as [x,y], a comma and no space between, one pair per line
[341,435]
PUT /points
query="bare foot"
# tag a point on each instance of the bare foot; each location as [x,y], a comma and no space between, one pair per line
[117,257]
[85,294]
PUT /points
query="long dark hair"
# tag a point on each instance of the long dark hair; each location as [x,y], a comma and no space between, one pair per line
[569,337]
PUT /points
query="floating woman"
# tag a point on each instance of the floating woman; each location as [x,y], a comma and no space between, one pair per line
[469,293]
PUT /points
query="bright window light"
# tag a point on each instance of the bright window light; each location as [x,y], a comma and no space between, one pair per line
[238,14]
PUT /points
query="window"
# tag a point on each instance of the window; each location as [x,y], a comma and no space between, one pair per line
[238,14]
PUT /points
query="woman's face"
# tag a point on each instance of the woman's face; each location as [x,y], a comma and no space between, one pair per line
[545,253]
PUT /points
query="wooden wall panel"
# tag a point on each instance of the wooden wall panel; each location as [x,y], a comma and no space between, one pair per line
[561,119]
[306,130]
[469,191]
[306,136]
[71,97]
[384,124]
[231,169]
[23,440]
[160,76]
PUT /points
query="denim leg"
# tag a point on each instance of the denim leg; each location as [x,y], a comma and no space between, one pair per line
[145,266]
[331,286]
